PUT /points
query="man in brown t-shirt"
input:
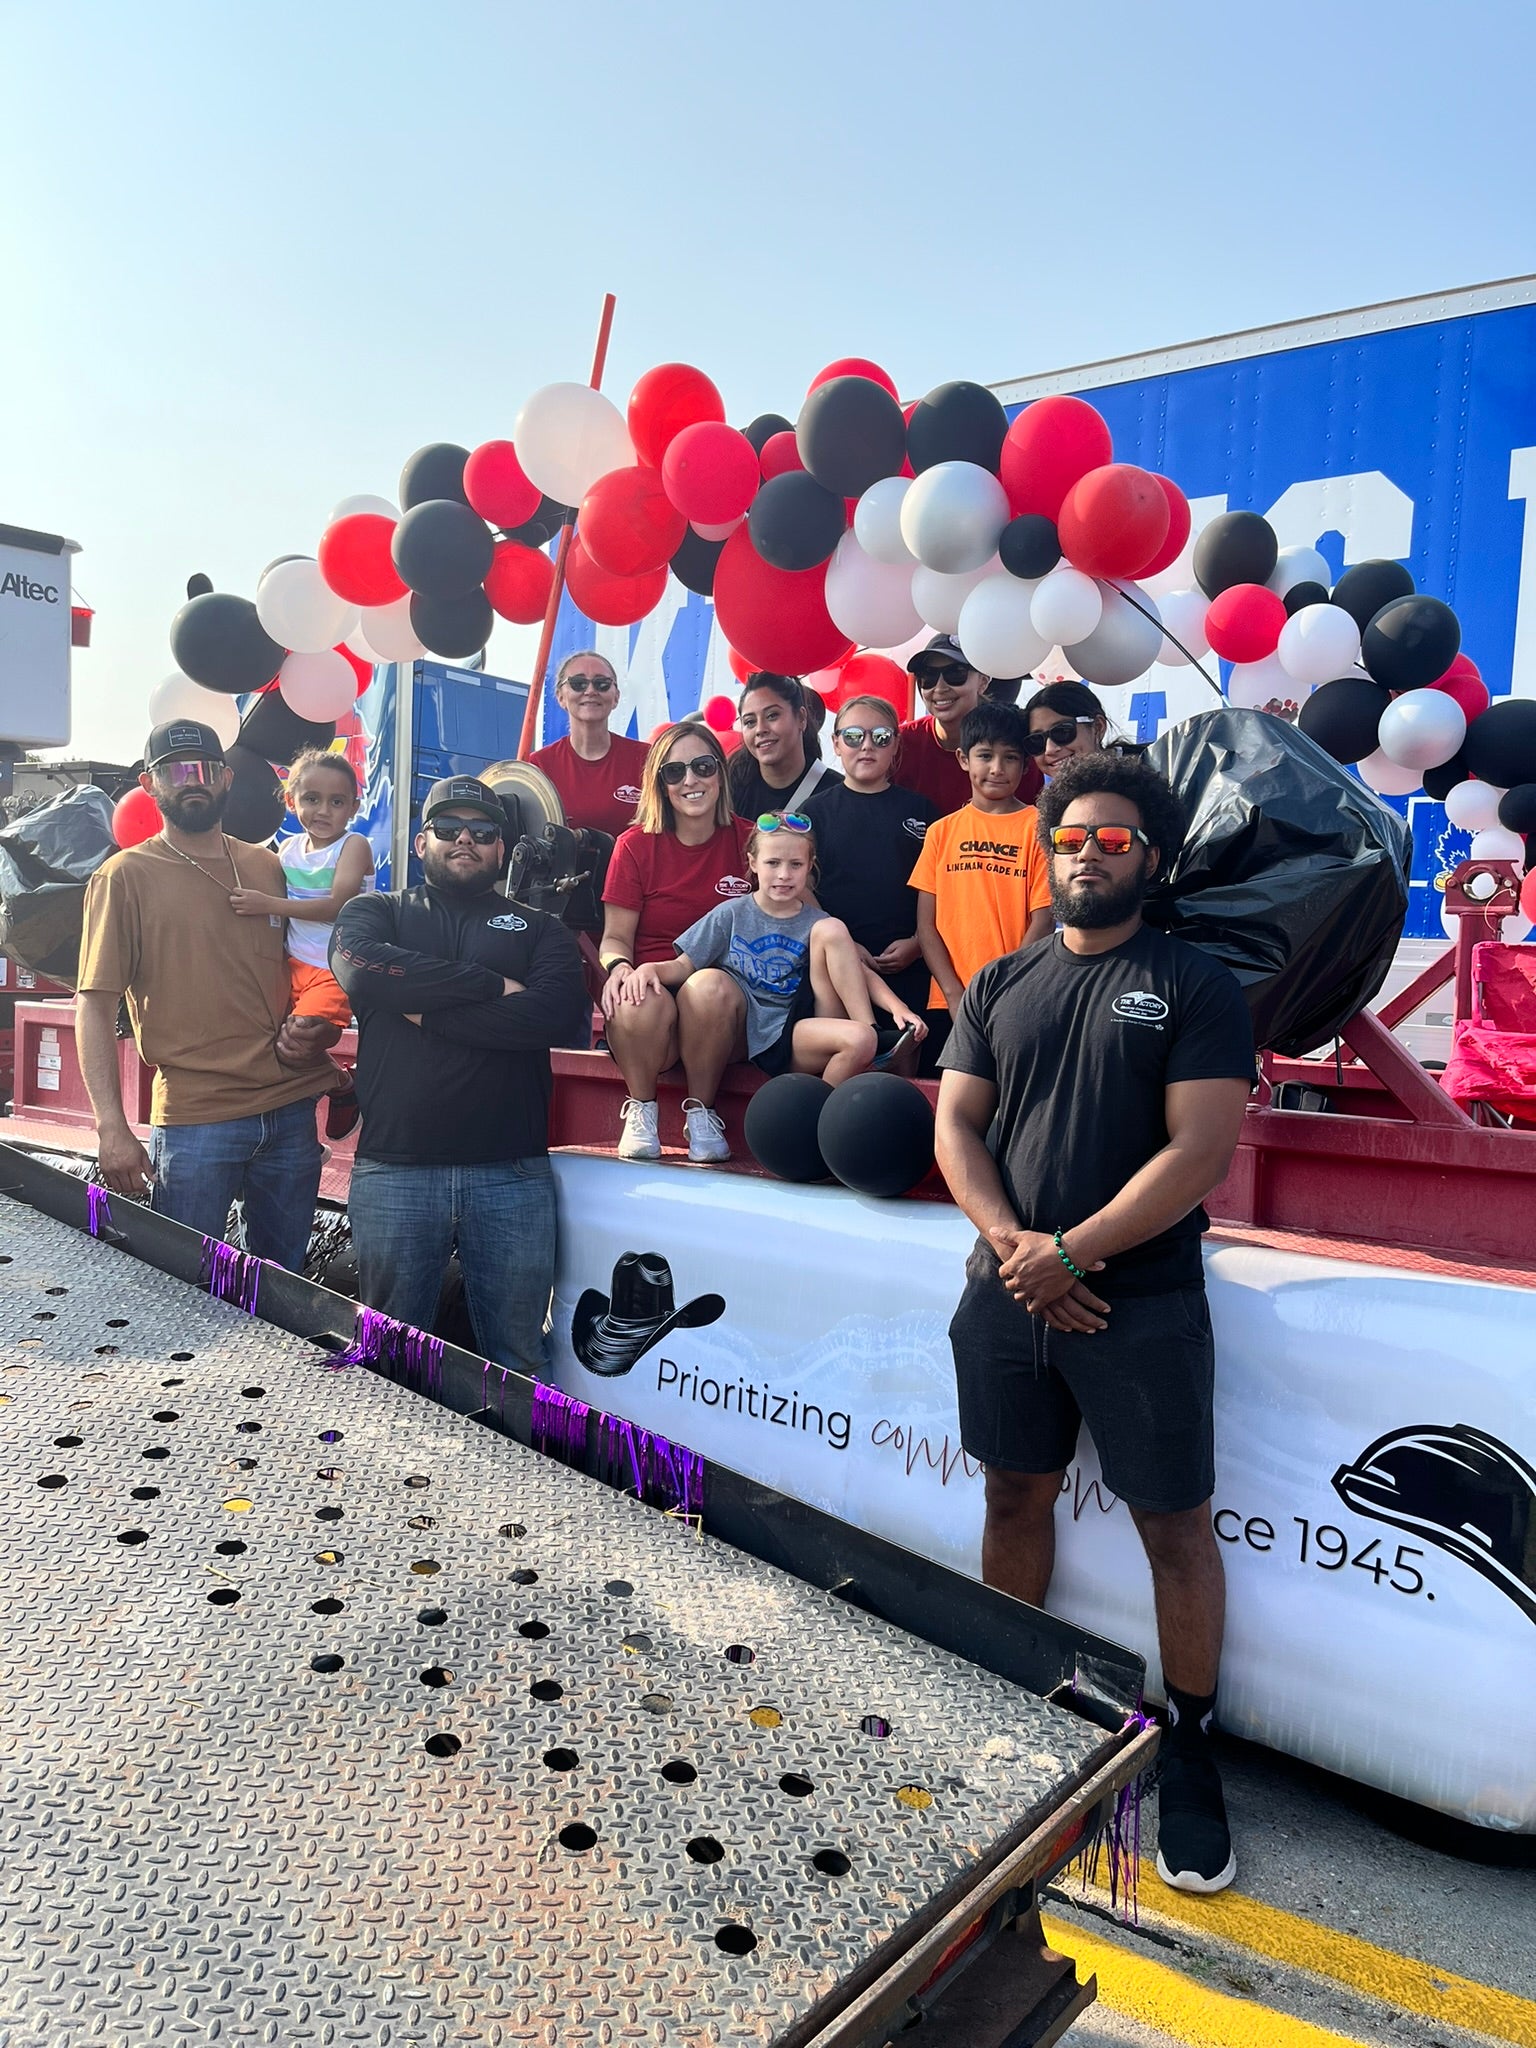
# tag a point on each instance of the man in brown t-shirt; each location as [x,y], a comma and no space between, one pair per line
[232,1114]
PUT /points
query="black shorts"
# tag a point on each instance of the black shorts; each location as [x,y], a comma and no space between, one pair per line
[779,1057]
[1143,1386]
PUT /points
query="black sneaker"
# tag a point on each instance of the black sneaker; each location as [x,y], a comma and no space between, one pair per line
[1194,1843]
[887,1044]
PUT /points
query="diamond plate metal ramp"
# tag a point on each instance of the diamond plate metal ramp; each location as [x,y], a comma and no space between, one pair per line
[329,1716]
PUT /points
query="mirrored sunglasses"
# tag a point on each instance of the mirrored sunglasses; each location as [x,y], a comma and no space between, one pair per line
[1108,838]
[856,735]
[704,766]
[1061,734]
[787,821]
[189,774]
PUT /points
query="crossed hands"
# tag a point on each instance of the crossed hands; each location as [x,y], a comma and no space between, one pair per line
[1036,1277]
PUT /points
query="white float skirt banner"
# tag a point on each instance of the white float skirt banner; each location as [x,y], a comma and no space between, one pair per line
[1375,1445]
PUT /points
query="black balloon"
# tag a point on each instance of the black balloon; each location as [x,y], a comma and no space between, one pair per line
[1343,717]
[764,427]
[1236,547]
[1363,590]
[1029,546]
[694,563]
[876,1134]
[442,549]
[1517,808]
[540,528]
[199,585]
[959,422]
[218,641]
[276,732]
[436,471]
[453,627]
[1500,745]
[1439,782]
[780,1126]
[254,808]
[1300,595]
[1411,642]
[850,434]
[794,523]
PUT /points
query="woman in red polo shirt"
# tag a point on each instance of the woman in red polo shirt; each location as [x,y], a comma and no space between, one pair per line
[685,852]
[597,772]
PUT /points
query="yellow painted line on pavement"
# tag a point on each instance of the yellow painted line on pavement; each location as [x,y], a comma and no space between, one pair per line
[1173,2004]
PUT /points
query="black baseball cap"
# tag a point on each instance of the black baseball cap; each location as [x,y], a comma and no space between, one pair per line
[182,736]
[463,792]
[944,647]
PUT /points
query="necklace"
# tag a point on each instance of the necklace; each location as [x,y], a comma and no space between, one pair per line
[191,863]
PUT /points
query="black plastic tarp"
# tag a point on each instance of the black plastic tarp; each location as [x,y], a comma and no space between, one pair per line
[46,859]
[1293,873]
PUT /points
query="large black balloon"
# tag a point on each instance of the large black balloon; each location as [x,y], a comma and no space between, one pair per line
[1300,595]
[1029,546]
[1235,547]
[959,422]
[1517,808]
[218,641]
[794,523]
[876,1134]
[272,729]
[1364,589]
[453,627]
[442,549]
[780,1126]
[1500,745]
[1343,717]
[436,471]
[764,427]
[1439,782]
[254,808]
[850,434]
[1411,642]
[695,561]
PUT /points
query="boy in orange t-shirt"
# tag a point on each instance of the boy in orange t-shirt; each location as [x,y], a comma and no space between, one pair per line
[982,878]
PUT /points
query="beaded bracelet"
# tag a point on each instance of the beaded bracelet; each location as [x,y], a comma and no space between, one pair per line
[1066,1258]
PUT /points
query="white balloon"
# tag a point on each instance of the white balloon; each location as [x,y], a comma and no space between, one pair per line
[179,697]
[1124,644]
[939,598]
[363,501]
[1183,613]
[1319,644]
[300,610]
[567,436]
[996,634]
[953,516]
[870,601]
[1421,729]
[387,633]
[1377,772]
[877,522]
[1496,842]
[1473,806]
[1066,606]
[319,686]
[1253,684]
[1300,565]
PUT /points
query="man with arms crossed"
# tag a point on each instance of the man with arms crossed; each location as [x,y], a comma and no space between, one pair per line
[1116,1063]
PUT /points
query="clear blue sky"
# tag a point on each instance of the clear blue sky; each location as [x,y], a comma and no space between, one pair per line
[253,256]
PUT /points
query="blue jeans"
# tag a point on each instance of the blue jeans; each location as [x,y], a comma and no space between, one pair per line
[405,1220]
[271,1162]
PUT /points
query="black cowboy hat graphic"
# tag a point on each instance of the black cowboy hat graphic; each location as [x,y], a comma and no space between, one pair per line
[609,1334]
[1461,1490]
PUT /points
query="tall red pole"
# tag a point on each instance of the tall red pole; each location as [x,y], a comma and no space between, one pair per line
[562,553]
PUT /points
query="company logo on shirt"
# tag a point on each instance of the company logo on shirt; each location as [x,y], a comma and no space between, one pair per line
[626,793]
[507,922]
[733,885]
[1140,1006]
[1007,849]
[915,828]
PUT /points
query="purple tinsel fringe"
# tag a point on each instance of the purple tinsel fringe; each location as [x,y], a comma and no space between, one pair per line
[1120,1839]
[380,1340]
[663,1474]
[98,1209]
[559,1424]
[231,1275]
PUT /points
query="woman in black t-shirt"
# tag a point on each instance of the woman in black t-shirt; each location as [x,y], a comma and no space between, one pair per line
[778,765]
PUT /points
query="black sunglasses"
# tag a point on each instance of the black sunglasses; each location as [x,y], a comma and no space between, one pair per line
[581,684]
[705,766]
[481,831]
[951,675]
[1061,734]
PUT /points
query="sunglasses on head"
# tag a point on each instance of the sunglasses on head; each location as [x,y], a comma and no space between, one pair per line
[705,766]
[1061,734]
[856,735]
[1108,838]
[787,821]
[481,830]
[581,684]
[189,774]
[950,675]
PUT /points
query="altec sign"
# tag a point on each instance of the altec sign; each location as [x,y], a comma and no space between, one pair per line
[34,638]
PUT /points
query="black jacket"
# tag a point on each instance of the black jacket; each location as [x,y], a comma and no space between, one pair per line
[471,1083]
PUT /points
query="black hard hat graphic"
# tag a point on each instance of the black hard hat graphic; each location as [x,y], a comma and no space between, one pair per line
[609,1335]
[1458,1488]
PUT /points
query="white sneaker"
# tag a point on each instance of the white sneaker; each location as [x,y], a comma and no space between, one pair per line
[639,1139]
[706,1134]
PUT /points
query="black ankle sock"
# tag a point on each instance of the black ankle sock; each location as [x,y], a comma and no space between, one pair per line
[1189,1717]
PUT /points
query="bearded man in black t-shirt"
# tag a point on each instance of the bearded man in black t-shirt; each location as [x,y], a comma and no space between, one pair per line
[1112,1065]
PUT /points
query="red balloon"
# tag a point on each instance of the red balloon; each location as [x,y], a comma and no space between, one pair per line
[1528,896]
[781,452]
[1112,519]
[135,818]
[519,581]
[741,668]
[361,668]
[907,411]
[610,600]
[1463,681]
[667,399]
[873,675]
[710,472]
[495,485]
[629,526]
[777,618]
[355,560]
[1178,530]
[719,714]
[855,366]
[1244,622]
[1048,447]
